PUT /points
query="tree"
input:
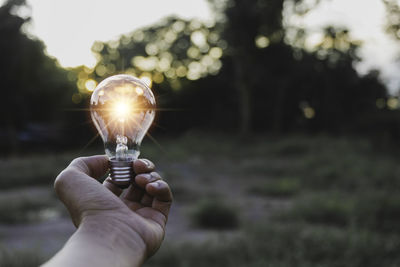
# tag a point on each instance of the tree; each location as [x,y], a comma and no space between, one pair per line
[393,17]
[245,69]
[33,86]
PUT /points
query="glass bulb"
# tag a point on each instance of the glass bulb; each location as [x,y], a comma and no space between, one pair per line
[122,109]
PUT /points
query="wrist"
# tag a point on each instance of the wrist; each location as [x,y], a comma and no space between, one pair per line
[114,237]
[101,242]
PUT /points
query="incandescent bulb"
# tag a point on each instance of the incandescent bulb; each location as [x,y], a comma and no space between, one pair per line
[122,109]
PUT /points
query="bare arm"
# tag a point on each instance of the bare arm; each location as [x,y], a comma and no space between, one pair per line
[115,228]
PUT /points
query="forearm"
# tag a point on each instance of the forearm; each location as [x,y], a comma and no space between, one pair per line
[97,243]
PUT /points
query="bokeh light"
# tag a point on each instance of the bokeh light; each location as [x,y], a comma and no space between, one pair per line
[90,85]
[146,77]
[262,41]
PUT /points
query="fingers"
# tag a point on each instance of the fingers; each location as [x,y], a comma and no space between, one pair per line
[143,179]
[112,187]
[162,195]
[143,166]
[133,194]
[160,190]
[94,166]
[149,190]
[79,191]
[137,193]
[81,170]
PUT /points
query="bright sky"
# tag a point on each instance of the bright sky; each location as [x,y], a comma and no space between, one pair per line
[69,27]
[366,21]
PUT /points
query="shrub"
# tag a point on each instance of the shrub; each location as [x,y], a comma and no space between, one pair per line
[378,211]
[329,209]
[276,188]
[213,214]
[19,258]
[28,205]
[285,245]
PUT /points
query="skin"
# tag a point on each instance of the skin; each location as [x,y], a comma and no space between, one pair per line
[114,228]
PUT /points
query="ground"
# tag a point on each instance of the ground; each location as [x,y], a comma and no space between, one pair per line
[266,201]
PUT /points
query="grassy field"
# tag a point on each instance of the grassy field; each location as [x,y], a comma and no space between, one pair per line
[269,201]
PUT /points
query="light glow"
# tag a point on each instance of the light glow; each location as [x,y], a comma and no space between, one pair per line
[262,41]
[146,78]
[90,85]
[121,110]
[139,91]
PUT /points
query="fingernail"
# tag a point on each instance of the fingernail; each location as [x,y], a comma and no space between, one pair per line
[146,176]
[146,162]
[155,184]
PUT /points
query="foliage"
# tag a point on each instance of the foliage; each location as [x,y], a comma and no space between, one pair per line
[280,187]
[344,212]
[393,18]
[286,245]
[241,73]
[32,170]
[20,258]
[28,205]
[325,208]
[248,52]
[214,214]
[34,88]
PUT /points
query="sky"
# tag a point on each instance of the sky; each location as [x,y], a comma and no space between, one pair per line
[69,28]
[378,51]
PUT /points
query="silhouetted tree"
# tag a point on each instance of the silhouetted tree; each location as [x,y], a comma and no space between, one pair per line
[33,87]
[262,81]
[393,17]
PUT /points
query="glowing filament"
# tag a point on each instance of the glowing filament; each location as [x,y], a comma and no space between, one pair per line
[121,110]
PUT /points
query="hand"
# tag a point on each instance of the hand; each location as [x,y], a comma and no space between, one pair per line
[130,225]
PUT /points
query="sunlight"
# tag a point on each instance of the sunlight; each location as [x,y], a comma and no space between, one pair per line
[309,112]
[90,85]
[146,78]
[158,77]
[392,103]
[139,91]
[262,41]
[215,52]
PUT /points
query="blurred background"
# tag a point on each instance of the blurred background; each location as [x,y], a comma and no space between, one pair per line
[279,131]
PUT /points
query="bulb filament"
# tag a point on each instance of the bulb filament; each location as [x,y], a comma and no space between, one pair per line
[122,148]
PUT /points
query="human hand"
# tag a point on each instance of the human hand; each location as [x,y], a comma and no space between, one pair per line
[130,223]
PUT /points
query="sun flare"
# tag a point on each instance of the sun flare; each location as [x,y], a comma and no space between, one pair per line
[121,110]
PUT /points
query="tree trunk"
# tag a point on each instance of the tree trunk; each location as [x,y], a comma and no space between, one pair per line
[279,109]
[244,94]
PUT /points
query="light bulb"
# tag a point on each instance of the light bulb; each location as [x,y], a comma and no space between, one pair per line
[122,109]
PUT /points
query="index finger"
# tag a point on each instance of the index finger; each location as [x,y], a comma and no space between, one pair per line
[94,166]
[162,196]
[143,166]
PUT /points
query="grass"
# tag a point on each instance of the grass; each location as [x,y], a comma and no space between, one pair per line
[378,211]
[284,187]
[20,258]
[329,208]
[28,205]
[285,245]
[214,214]
[293,201]
[31,170]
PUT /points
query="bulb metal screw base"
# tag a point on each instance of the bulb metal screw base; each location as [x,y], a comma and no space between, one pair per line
[121,173]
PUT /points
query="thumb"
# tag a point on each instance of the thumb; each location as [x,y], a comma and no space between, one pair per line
[79,191]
